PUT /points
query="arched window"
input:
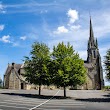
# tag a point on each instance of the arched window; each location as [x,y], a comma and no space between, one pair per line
[94,54]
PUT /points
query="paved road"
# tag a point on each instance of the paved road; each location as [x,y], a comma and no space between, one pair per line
[77,100]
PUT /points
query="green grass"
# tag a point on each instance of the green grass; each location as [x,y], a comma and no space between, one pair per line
[107,87]
[1,87]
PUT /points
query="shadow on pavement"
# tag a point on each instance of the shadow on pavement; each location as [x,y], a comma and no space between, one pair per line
[106,98]
[36,96]
[107,95]
[95,100]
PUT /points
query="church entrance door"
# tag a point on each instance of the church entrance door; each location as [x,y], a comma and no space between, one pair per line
[22,86]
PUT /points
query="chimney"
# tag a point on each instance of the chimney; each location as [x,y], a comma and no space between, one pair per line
[13,64]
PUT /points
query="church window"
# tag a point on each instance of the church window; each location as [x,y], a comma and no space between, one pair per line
[90,69]
[94,54]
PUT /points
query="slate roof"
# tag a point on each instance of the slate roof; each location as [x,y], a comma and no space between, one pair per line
[17,67]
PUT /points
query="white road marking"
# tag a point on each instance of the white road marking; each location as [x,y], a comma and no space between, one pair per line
[44,102]
[14,107]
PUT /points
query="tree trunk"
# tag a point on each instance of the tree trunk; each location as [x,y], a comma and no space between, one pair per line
[39,89]
[64,91]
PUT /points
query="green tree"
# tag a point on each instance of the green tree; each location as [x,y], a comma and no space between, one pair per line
[107,64]
[0,82]
[36,65]
[68,68]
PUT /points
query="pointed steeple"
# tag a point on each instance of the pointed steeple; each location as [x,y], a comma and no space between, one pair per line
[91,37]
[91,31]
[92,45]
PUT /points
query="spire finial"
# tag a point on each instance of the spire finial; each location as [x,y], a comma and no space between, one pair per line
[90,14]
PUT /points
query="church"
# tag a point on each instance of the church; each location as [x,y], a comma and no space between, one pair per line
[13,78]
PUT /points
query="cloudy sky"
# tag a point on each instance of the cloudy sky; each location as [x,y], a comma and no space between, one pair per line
[23,22]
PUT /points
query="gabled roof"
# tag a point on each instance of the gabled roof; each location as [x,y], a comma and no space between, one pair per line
[16,66]
[8,70]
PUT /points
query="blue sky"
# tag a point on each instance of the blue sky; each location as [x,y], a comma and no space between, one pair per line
[23,22]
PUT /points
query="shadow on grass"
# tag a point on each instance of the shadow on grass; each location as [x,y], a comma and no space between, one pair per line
[94,100]
[36,96]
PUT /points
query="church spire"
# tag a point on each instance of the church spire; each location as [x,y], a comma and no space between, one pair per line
[92,45]
[91,38]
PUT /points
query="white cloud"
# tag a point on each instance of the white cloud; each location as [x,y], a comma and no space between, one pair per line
[23,38]
[15,44]
[30,6]
[75,27]
[83,54]
[2,7]
[73,15]
[43,11]
[61,29]
[2,27]
[3,11]
[5,39]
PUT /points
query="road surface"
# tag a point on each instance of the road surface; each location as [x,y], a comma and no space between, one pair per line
[77,100]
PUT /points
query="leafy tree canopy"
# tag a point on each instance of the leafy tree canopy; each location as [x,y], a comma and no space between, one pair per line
[0,81]
[63,67]
[107,64]
[68,68]
[36,65]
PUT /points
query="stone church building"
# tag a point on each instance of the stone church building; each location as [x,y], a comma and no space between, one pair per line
[13,78]
[93,63]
